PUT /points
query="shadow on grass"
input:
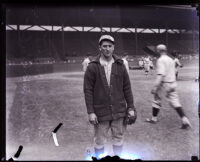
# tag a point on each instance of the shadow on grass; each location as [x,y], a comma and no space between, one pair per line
[73,76]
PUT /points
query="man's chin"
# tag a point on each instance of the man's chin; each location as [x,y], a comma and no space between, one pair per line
[107,55]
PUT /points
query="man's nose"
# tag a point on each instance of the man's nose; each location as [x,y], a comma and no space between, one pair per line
[108,48]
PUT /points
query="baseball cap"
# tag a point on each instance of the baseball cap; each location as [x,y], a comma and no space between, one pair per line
[161,47]
[106,37]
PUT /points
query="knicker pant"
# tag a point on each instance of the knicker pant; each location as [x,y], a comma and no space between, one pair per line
[171,94]
[117,131]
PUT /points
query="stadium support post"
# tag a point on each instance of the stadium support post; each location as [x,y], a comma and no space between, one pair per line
[136,40]
[193,33]
[63,42]
[166,35]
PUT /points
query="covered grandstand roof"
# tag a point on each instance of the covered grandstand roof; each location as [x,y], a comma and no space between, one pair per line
[103,16]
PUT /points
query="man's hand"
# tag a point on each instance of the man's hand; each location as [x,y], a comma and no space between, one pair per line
[92,118]
[131,113]
[130,117]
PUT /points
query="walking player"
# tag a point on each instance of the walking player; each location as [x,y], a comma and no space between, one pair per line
[147,64]
[108,97]
[85,63]
[124,58]
[166,79]
[177,62]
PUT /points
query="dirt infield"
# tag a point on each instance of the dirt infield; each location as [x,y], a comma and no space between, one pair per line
[36,106]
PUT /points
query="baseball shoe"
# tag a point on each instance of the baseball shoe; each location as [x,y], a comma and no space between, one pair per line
[185,126]
[150,121]
[186,123]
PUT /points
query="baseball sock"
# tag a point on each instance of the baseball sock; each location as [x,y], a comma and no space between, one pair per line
[155,112]
[176,75]
[180,111]
[99,152]
[117,149]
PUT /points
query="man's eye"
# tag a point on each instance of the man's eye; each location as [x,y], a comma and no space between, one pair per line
[107,46]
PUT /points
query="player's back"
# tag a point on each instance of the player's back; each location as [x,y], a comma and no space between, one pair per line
[85,64]
[86,61]
[166,67]
[125,61]
[126,64]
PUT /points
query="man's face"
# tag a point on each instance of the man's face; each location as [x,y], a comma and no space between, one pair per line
[106,48]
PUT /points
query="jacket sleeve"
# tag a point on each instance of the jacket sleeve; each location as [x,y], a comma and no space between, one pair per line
[127,90]
[88,88]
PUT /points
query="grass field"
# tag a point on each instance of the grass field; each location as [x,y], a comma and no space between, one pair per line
[35,107]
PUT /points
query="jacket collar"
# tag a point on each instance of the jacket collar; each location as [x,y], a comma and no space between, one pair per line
[115,57]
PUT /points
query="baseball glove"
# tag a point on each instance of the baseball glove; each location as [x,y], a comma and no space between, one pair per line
[128,120]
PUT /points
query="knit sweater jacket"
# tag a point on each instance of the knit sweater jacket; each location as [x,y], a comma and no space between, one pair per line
[107,102]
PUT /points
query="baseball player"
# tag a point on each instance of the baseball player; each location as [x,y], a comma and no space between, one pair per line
[151,66]
[166,79]
[124,58]
[141,63]
[108,97]
[177,62]
[85,63]
[146,61]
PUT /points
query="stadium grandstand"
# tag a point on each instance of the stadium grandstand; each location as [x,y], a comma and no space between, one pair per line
[38,34]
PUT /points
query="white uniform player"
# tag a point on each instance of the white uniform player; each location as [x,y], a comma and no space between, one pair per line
[85,63]
[174,54]
[126,63]
[141,63]
[166,80]
[151,64]
[177,64]
[147,62]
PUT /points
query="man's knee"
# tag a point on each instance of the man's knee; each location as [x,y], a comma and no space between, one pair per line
[175,104]
[174,101]
[156,104]
[118,140]
[99,143]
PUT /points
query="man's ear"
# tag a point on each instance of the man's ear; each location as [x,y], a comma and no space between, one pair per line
[99,48]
